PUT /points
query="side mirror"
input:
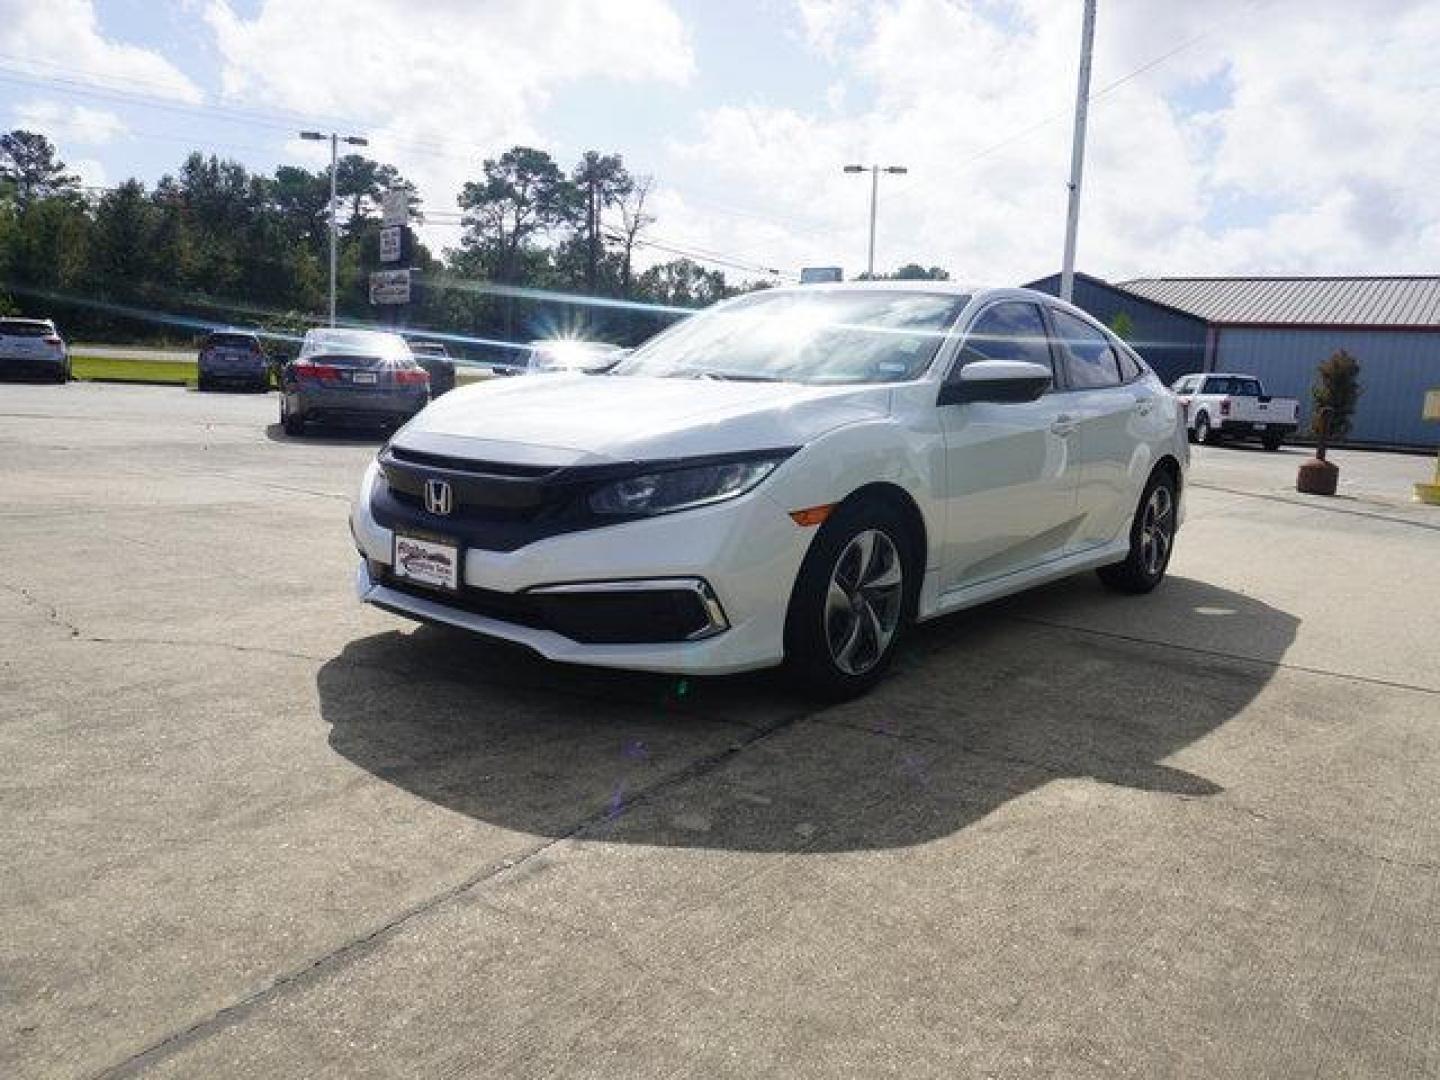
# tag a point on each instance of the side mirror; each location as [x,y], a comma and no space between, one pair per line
[998,381]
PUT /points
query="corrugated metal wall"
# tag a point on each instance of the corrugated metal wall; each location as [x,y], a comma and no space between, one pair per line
[1171,343]
[1396,368]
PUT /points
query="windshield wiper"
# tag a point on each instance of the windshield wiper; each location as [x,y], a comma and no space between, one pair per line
[725,376]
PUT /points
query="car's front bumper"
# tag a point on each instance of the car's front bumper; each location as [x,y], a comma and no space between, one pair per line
[748,551]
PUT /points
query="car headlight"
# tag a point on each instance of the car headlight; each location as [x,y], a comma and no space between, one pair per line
[682,489]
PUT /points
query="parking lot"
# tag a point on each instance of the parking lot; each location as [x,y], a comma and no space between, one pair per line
[251,827]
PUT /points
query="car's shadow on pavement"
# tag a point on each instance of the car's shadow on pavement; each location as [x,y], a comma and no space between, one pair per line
[981,708]
[333,435]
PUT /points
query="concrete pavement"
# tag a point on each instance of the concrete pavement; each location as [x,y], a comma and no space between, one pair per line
[250,828]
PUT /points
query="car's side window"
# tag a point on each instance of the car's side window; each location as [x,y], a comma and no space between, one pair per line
[1246,388]
[1090,361]
[1217,386]
[1130,368]
[1186,385]
[1012,330]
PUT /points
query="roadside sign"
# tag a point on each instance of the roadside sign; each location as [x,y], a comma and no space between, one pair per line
[395,207]
[390,287]
[390,236]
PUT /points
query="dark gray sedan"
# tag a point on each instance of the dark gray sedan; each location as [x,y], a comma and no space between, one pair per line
[351,375]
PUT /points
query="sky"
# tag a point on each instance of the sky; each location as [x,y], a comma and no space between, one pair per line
[1226,137]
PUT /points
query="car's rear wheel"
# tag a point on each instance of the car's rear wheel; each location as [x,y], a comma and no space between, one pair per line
[851,601]
[1272,442]
[293,423]
[1152,539]
[1203,432]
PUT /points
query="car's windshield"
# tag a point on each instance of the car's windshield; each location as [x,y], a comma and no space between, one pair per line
[231,341]
[819,336]
[362,342]
[25,328]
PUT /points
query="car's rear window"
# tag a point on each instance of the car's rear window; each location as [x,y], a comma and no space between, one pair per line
[25,328]
[231,341]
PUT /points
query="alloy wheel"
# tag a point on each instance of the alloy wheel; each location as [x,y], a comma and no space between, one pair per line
[1157,530]
[864,601]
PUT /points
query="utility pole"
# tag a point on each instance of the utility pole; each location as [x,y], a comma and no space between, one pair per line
[874,171]
[335,140]
[1077,152]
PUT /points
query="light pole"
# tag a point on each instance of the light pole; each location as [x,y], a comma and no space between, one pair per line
[335,140]
[1077,152]
[874,171]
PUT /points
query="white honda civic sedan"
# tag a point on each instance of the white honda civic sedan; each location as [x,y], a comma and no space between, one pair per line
[789,477]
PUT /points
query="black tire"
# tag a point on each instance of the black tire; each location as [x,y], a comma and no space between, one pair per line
[1272,442]
[63,375]
[291,423]
[203,384]
[811,622]
[1142,570]
[1204,433]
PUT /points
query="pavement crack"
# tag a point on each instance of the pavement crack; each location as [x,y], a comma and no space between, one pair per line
[50,611]
[1221,654]
[340,955]
[1305,503]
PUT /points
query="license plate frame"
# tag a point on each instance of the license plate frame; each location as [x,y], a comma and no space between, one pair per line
[433,564]
[364,378]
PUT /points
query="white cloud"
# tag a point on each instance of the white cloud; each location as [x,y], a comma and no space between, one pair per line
[91,172]
[441,85]
[70,123]
[62,39]
[1288,136]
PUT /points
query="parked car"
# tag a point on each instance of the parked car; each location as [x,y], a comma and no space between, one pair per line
[351,375]
[232,358]
[438,363]
[1235,406]
[791,476]
[31,348]
[592,357]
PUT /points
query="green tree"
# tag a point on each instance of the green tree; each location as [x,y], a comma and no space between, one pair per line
[1337,388]
[363,182]
[601,180]
[523,197]
[28,161]
[683,283]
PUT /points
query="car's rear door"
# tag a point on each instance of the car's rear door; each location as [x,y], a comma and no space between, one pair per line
[1009,488]
[1108,413]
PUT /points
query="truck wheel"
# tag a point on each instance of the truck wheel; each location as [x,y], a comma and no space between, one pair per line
[1203,433]
[1272,442]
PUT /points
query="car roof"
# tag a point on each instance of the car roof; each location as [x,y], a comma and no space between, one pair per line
[27,322]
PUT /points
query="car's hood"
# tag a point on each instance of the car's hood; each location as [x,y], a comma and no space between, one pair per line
[567,419]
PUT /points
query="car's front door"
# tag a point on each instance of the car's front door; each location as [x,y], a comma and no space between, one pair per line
[1106,410]
[1009,487]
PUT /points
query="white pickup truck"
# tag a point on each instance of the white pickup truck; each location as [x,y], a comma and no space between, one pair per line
[1235,406]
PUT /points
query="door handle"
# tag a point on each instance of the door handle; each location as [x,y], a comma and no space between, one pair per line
[1063,425]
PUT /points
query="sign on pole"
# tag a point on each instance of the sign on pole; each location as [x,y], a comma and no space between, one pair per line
[395,207]
[390,287]
[390,242]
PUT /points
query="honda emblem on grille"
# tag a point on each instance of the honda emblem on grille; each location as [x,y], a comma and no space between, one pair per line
[439,498]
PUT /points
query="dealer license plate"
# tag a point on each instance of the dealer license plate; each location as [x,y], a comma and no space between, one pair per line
[426,562]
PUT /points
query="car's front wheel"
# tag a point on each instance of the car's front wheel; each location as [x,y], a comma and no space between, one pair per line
[851,601]
[1152,539]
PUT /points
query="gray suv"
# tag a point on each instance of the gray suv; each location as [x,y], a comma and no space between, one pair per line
[232,358]
[351,375]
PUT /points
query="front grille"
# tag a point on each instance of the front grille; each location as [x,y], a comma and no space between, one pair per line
[469,466]
[625,617]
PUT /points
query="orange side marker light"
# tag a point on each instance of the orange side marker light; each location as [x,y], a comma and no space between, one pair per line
[813,515]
